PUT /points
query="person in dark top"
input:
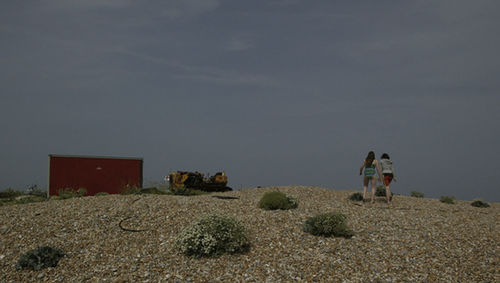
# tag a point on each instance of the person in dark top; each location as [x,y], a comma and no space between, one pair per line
[388,172]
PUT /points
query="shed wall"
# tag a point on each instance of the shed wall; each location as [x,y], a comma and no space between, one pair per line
[95,174]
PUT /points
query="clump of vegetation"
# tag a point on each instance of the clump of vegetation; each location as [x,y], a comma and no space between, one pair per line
[135,190]
[447,199]
[213,235]
[33,190]
[183,191]
[11,194]
[328,224]
[38,193]
[71,193]
[27,199]
[380,191]
[130,190]
[356,197]
[416,194]
[152,191]
[479,203]
[278,200]
[101,194]
[39,258]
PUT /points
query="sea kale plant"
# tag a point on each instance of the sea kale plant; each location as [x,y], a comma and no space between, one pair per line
[356,197]
[416,194]
[152,191]
[11,196]
[479,203]
[39,258]
[10,193]
[213,235]
[327,225]
[130,190]
[447,199]
[183,191]
[380,191]
[71,193]
[278,200]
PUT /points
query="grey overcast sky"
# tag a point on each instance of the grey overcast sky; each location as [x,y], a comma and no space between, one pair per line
[274,92]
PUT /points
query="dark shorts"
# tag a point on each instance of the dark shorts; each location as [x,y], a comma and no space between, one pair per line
[388,179]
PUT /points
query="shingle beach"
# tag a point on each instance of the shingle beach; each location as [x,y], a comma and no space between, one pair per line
[416,240]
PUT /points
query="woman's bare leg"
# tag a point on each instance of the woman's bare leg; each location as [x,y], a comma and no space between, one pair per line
[365,187]
[374,183]
[388,194]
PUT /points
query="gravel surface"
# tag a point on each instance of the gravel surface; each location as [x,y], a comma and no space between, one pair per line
[416,240]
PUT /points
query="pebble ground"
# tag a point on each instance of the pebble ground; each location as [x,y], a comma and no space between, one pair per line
[415,240]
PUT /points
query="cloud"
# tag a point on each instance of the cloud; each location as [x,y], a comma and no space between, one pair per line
[185,9]
[239,44]
[205,74]
[224,77]
[87,4]
[171,9]
[284,2]
[229,78]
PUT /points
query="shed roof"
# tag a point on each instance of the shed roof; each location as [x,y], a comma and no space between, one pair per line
[95,156]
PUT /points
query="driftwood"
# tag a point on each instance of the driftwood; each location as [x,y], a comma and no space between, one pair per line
[225,197]
[126,229]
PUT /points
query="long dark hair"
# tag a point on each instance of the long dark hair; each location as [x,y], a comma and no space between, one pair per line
[385,156]
[369,158]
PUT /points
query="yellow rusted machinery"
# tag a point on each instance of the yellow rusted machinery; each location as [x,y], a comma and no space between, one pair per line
[198,181]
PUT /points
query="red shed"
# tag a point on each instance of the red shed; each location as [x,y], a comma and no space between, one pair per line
[94,173]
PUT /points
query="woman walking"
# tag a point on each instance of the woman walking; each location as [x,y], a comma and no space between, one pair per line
[370,164]
[388,172]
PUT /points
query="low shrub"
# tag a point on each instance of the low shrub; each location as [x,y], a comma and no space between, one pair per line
[11,196]
[479,203]
[28,199]
[416,194]
[356,197]
[38,193]
[71,193]
[278,200]
[447,199]
[380,191]
[183,191]
[152,191]
[293,202]
[101,194]
[39,258]
[328,224]
[130,190]
[10,193]
[213,235]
